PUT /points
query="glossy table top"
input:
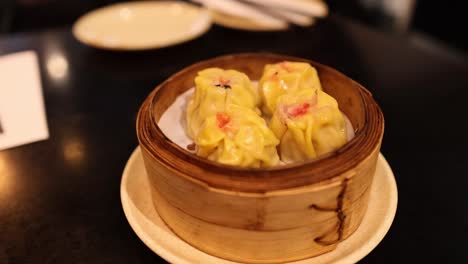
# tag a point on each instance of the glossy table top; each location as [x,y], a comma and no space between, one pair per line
[59,199]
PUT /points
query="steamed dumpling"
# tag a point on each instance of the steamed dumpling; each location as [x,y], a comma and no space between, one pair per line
[285,77]
[214,89]
[308,124]
[237,136]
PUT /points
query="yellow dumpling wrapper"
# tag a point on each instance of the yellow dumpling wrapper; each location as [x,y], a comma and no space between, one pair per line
[308,124]
[285,77]
[214,89]
[237,136]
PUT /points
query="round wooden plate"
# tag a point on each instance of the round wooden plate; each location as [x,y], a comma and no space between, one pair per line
[145,221]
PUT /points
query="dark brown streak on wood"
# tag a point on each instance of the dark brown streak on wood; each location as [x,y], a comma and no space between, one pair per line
[259,222]
[339,213]
[321,209]
[191,146]
[260,213]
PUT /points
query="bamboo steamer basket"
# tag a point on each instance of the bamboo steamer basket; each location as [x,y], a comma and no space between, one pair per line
[270,215]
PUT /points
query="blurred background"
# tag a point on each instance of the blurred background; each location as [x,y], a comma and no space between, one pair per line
[440,21]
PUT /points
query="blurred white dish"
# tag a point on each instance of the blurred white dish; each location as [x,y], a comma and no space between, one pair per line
[142,25]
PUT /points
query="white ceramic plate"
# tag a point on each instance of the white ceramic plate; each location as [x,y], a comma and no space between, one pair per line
[142,25]
[145,220]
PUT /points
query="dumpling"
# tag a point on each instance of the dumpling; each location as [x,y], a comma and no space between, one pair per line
[214,89]
[308,124]
[237,136]
[285,77]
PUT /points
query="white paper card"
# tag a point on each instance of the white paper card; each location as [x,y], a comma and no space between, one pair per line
[22,113]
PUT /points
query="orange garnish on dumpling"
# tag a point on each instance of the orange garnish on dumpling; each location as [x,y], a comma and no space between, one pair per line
[297,110]
[223,120]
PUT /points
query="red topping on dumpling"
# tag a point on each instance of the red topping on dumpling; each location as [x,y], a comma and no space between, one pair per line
[274,76]
[225,83]
[223,120]
[298,110]
[284,65]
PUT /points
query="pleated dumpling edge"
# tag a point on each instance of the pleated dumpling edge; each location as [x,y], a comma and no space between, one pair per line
[285,77]
[237,136]
[214,89]
[308,124]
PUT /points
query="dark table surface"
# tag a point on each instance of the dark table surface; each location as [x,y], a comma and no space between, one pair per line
[59,198]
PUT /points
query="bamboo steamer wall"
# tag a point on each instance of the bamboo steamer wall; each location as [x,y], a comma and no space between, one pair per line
[262,215]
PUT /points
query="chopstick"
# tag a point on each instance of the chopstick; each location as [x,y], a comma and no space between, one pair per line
[291,17]
[316,8]
[276,13]
[236,8]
